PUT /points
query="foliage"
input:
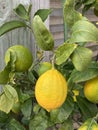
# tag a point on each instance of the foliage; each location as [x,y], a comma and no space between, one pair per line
[73,59]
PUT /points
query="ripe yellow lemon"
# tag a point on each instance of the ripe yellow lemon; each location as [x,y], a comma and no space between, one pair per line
[91,90]
[51,89]
[23,57]
[44,66]
[95,127]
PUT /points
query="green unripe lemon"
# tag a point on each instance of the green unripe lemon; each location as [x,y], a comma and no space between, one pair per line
[44,66]
[23,57]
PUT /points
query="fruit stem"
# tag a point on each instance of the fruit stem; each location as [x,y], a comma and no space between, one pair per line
[96,117]
[53,61]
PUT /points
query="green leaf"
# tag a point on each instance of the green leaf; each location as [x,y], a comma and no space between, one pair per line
[26,108]
[36,108]
[11,59]
[88,2]
[44,38]
[63,52]
[8,26]
[22,96]
[4,119]
[70,14]
[84,31]
[4,75]
[89,73]
[8,98]
[61,114]
[67,125]
[15,125]
[43,13]
[87,108]
[81,58]
[42,119]
[22,12]
[29,9]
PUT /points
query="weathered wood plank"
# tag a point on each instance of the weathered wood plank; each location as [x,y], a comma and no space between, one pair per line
[56,20]
[54,4]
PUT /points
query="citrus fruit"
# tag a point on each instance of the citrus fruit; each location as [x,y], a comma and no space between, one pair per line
[23,57]
[89,125]
[51,89]
[91,90]
[44,66]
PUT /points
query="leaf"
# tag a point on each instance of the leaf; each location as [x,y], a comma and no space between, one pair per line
[70,14]
[87,108]
[42,119]
[15,125]
[67,125]
[63,52]
[22,12]
[89,73]
[8,98]
[44,38]
[4,75]
[81,58]
[84,31]
[36,108]
[8,26]
[26,108]
[11,59]
[22,96]
[43,13]
[29,9]
[4,119]
[8,72]
[88,2]
[61,114]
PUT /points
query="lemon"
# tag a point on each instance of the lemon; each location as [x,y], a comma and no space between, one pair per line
[91,90]
[51,90]
[23,57]
[95,127]
[83,127]
[44,66]
[89,125]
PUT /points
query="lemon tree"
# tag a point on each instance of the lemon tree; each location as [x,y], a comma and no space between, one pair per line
[40,95]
